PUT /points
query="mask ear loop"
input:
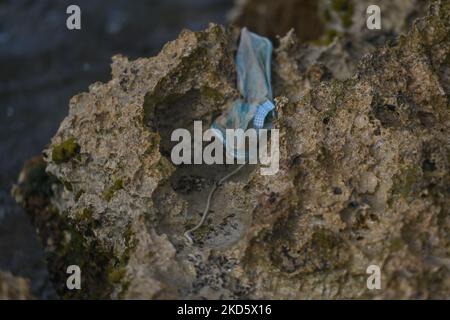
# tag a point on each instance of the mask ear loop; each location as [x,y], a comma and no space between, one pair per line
[187,234]
[259,117]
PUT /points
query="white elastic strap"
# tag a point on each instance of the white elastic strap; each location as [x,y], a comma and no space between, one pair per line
[187,234]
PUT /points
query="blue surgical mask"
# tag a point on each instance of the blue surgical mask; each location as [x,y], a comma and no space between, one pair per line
[256,109]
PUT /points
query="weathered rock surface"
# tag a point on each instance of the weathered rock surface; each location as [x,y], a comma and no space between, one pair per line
[322,20]
[13,288]
[338,25]
[364,176]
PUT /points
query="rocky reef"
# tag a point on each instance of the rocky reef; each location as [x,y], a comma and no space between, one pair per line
[364,175]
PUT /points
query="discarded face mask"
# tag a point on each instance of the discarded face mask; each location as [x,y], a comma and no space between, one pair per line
[253,64]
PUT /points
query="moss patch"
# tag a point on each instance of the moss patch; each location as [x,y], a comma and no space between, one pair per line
[38,182]
[164,166]
[65,151]
[404,184]
[212,94]
[71,246]
[79,194]
[345,10]
[109,193]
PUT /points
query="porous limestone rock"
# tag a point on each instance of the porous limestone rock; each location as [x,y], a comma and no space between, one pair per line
[14,288]
[364,177]
[322,20]
[336,28]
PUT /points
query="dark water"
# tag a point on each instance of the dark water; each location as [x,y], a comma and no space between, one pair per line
[43,64]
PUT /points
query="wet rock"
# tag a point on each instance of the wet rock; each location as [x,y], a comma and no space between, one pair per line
[362,180]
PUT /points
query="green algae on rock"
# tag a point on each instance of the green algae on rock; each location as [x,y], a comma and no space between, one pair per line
[65,151]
